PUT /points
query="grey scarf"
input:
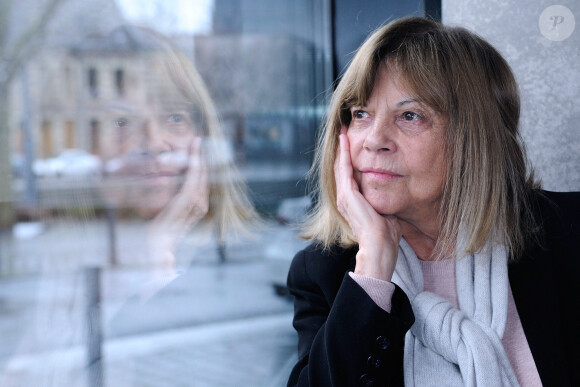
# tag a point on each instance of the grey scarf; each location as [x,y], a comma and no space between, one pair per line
[451,347]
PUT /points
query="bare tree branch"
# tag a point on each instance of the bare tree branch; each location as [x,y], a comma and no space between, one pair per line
[12,57]
[5,8]
[16,54]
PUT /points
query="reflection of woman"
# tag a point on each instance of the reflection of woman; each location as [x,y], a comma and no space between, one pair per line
[436,259]
[167,154]
[169,161]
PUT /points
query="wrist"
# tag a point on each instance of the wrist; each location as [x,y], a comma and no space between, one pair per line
[376,263]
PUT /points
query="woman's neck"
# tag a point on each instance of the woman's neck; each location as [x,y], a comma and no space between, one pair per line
[422,239]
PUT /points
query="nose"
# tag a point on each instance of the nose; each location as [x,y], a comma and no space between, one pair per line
[154,139]
[380,136]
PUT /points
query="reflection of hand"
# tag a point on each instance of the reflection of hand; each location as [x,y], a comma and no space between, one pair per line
[378,235]
[189,206]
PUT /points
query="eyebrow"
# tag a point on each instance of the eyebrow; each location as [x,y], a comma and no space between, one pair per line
[406,102]
[119,108]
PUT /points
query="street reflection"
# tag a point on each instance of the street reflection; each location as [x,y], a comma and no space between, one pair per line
[223,317]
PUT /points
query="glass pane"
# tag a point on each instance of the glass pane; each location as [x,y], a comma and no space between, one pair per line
[157,155]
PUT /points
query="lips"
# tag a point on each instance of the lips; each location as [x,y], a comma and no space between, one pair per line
[159,178]
[157,174]
[380,174]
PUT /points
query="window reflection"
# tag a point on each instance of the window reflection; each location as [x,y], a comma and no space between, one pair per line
[143,157]
[93,82]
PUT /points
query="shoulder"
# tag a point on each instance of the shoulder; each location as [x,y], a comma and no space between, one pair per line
[559,201]
[544,283]
[316,258]
[552,253]
[558,214]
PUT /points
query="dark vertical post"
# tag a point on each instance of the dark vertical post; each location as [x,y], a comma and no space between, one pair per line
[221,247]
[94,329]
[111,234]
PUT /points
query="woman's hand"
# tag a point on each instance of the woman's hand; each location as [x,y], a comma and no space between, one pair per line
[189,206]
[378,235]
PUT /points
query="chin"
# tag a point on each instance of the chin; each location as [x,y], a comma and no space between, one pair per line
[150,202]
[381,201]
[148,212]
[382,206]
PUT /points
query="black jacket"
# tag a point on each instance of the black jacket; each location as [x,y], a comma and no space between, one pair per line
[345,339]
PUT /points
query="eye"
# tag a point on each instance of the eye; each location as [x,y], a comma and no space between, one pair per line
[411,116]
[359,114]
[176,118]
[177,123]
[121,122]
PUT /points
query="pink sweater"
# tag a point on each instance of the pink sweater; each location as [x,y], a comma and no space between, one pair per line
[439,278]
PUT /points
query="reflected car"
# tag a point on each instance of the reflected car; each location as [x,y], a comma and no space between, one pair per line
[71,162]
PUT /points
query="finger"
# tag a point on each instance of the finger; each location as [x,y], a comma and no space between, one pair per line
[346,186]
[196,165]
[201,167]
[196,187]
[195,157]
[203,183]
[192,197]
[338,177]
[345,162]
[345,169]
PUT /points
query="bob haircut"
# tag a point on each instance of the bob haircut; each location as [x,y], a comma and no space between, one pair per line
[174,83]
[463,78]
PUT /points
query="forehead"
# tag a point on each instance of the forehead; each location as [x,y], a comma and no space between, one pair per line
[410,88]
[389,80]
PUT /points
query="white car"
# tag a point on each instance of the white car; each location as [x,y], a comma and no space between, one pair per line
[71,162]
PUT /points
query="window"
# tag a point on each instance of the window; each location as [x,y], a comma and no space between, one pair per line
[47,140]
[93,82]
[120,82]
[115,275]
[69,132]
[95,136]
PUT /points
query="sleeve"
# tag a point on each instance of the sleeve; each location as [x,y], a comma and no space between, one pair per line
[381,292]
[349,341]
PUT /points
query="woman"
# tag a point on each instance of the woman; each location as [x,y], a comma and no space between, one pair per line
[165,155]
[436,258]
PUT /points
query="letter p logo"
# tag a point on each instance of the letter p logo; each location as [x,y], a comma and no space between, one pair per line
[557,23]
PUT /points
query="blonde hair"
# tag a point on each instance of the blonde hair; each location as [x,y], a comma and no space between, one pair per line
[458,74]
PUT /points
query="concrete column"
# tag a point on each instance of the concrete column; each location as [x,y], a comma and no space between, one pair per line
[546,63]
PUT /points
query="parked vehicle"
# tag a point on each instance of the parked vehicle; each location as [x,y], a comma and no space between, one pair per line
[71,162]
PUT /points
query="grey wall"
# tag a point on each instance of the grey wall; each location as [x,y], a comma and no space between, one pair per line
[548,75]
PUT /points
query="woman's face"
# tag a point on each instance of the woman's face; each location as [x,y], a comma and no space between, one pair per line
[397,151]
[149,155]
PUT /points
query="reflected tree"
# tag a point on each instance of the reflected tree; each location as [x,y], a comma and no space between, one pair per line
[17,47]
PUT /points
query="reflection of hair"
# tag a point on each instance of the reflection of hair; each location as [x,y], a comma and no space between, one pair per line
[465,79]
[179,83]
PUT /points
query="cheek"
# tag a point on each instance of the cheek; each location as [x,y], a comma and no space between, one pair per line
[355,142]
[180,141]
[431,168]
